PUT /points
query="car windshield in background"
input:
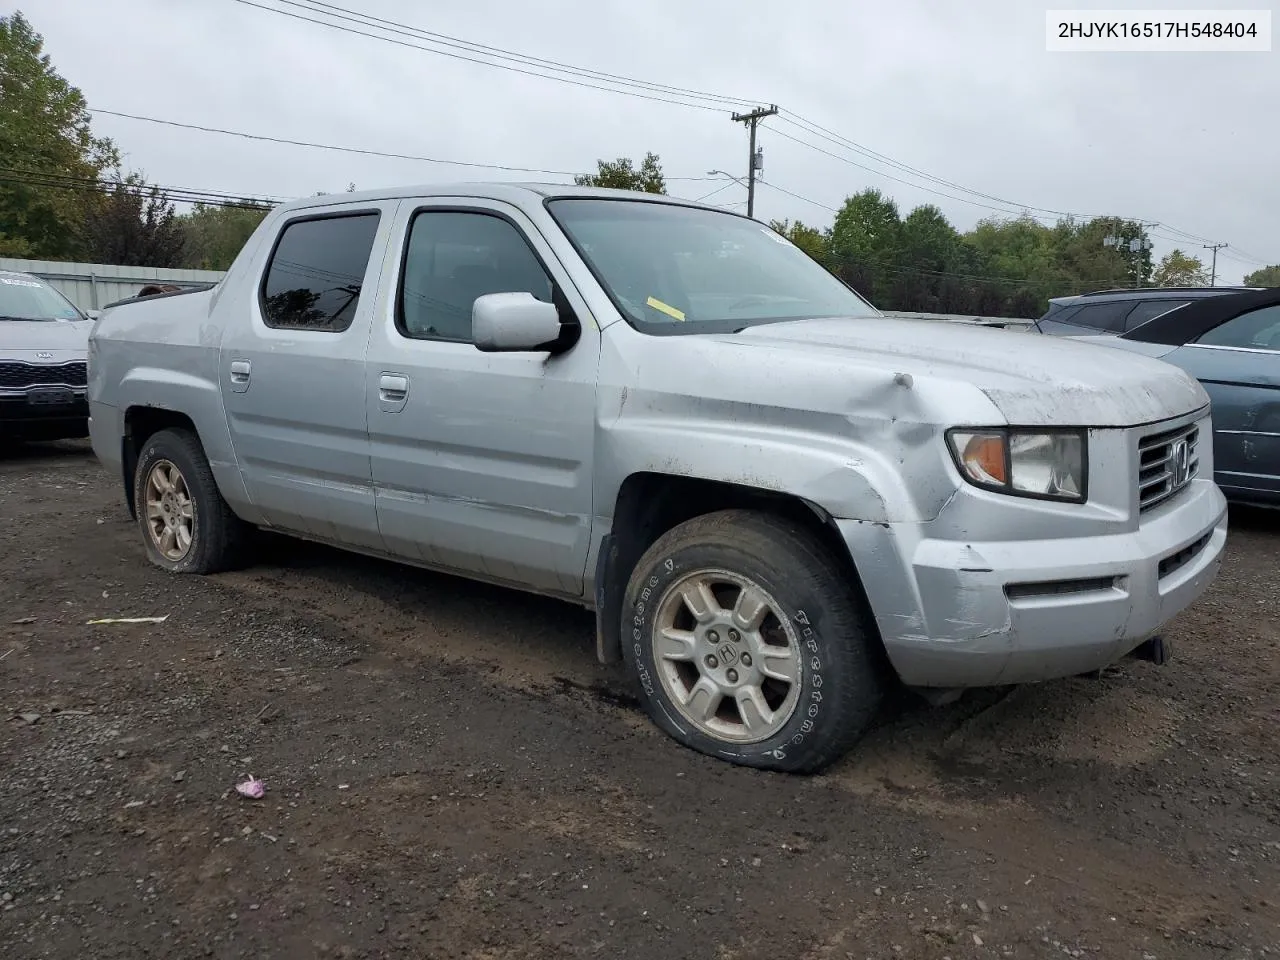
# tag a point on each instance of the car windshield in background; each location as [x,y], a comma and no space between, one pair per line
[675,269]
[22,298]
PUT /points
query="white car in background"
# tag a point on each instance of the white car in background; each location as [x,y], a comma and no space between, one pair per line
[44,345]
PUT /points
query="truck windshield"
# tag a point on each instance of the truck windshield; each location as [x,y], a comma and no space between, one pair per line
[25,298]
[672,269]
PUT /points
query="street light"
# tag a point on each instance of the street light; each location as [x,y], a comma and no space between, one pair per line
[721,173]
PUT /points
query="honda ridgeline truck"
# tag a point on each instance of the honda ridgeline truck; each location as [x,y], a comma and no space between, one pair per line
[774,498]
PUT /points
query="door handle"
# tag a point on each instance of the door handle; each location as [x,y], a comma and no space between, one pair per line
[240,370]
[393,387]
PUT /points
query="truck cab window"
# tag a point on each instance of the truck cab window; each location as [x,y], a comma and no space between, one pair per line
[316,270]
[453,257]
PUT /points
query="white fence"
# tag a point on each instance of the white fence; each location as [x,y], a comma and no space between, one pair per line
[91,286]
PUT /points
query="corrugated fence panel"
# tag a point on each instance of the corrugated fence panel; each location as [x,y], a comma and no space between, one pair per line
[91,286]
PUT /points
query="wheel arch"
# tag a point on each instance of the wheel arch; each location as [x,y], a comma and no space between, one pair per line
[649,504]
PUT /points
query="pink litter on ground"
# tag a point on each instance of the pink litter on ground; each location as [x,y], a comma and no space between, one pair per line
[253,788]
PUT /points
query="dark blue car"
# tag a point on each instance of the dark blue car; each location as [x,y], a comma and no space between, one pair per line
[1231,344]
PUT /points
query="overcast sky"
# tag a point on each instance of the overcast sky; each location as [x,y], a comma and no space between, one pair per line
[964,92]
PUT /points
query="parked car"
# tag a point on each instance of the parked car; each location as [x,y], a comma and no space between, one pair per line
[774,498]
[1232,345]
[44,342]
[1118,311]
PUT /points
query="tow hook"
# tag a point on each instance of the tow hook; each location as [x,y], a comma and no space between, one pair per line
[1157,650]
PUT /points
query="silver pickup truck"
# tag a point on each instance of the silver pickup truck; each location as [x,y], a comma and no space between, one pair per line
[775,499]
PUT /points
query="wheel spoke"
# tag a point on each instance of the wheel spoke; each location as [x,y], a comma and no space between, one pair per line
[756,713]
[162,480]
[704,699]
[750,609]
[673,644]
[167,540]
[185,510]
[154,510]
[779,663]
[183,537]
[700,600]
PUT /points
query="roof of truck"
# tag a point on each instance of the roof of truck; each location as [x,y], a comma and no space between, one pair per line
[488,190]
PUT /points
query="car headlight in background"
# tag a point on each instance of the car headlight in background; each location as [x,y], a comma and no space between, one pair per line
[1049,464]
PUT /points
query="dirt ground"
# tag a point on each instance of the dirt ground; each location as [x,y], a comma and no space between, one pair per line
[450,773]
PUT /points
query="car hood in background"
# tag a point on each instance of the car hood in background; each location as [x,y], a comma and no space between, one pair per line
[44,341]
[1156,350]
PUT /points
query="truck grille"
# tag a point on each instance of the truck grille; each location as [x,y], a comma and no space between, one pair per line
[1167,462]
[16,375]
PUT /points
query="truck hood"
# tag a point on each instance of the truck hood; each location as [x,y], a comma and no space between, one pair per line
[1031,380]
[27,340]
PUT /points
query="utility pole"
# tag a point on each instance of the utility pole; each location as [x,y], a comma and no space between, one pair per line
[753,158]
[1215,247]
[1138,245]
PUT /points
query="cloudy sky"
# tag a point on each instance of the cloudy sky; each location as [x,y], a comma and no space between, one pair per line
[964,93]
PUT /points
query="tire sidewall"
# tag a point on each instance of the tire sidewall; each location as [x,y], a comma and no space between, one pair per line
[161,447]
[823,669]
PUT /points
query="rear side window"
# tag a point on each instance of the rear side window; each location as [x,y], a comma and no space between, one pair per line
[1256,330]
[1149,310]
[1108,317]
[316,271]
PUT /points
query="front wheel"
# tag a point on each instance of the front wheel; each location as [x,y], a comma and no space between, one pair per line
[750,643]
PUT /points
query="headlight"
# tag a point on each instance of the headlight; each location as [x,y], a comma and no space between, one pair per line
[1050,464]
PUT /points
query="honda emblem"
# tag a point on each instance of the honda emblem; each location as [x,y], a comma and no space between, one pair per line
[1180,456]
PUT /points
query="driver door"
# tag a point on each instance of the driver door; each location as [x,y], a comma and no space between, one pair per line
[482,462]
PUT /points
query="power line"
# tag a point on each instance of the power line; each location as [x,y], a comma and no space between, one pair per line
[500,64]
[503,54]
[353,150]
[69,183]
[562,72]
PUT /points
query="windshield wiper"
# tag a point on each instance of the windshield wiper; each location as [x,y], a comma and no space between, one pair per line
[26,319]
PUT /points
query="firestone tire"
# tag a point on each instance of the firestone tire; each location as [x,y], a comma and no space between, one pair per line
[174,491]
[791,689]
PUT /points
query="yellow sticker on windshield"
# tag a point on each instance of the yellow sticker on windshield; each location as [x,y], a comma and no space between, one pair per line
[666,308]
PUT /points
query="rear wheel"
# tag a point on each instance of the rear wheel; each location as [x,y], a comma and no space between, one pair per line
[186,525]
[750,643]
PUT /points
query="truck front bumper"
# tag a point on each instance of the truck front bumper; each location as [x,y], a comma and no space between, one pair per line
[974,613]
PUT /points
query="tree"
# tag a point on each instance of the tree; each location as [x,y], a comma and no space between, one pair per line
[136,226]
[619,175]
[1266,277]
[48,154]
[1177,269]
[213,236]
[809,239]
[866,244]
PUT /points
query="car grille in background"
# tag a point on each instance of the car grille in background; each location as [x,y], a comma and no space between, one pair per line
[15,375]
[1167,462]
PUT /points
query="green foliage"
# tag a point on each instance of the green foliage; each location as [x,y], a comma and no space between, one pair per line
[620,175]
[135,225]
[1177,269]
[48,153]
[809,239]
[215,235]
[1266,277]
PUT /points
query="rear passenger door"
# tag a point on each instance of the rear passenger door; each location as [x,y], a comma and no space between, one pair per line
[482,462]
[292,371]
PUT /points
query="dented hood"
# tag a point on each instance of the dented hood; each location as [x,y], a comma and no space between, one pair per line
[1032,380]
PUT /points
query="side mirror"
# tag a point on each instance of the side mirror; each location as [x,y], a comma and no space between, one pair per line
[514,322]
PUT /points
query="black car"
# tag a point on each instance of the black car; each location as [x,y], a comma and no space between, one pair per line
[1118,311]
